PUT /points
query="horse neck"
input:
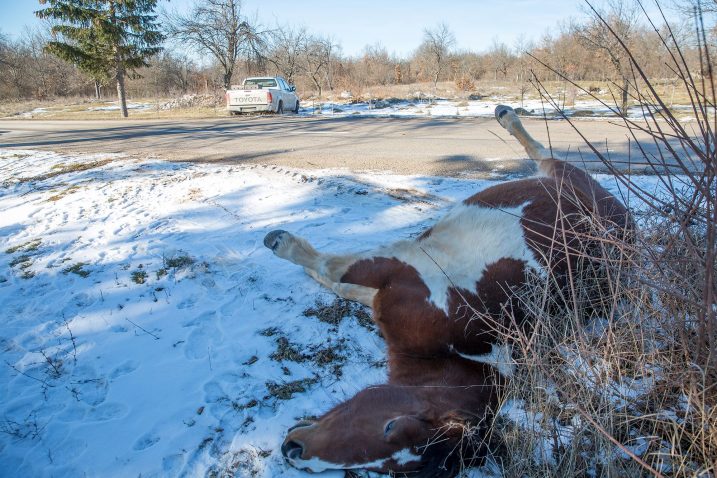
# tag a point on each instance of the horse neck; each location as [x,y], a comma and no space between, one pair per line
[449,382]
[447,370]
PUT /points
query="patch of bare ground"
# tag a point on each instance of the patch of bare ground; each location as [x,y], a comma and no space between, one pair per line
[61,169]
[334,312]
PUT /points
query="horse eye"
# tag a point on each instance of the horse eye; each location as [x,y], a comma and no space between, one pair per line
[389,426]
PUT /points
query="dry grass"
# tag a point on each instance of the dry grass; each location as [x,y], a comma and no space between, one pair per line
[60,169]
[78,269]
[629,388]
[510,91]
[286,390]
[613,393]
[64,192]
[29,246]
[333,313]
[81,109]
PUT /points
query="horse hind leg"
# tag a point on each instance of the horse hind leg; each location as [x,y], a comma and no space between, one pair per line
[509,120]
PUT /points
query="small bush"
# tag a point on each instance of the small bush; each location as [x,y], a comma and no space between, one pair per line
[178,262]
[465,84]
[78,269]
[139,276]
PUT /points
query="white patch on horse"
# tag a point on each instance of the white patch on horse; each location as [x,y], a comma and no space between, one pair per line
[461,246]
[317,465]
[405,456]
[500,357]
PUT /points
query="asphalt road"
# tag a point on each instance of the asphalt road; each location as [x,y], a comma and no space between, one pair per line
[433,146]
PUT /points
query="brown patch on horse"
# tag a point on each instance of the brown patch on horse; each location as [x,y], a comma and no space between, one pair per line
[412,324]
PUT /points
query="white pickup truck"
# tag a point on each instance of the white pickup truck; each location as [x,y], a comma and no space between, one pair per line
[262,94]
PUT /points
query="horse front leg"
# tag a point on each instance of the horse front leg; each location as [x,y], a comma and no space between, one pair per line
[326,269]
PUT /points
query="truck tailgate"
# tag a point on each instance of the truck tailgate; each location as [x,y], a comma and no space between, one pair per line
[247,97]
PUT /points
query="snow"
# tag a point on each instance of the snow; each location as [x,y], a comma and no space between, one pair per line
[33,112]
[421,106]
[591,109]
[143,315]
[114,106]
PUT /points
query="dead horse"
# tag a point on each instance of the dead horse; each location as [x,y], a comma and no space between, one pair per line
[437,300]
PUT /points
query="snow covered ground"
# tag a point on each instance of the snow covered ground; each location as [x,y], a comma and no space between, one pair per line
[147,330]
[451,108]
[419,107]
[114,106]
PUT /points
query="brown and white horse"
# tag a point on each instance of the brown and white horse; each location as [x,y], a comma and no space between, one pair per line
[438,300]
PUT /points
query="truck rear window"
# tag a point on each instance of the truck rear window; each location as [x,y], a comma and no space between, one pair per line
[261,83]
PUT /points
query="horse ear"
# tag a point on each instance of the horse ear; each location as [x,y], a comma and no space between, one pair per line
[456,421]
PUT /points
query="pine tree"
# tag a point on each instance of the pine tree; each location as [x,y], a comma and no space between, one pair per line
[107,39]
[84,50]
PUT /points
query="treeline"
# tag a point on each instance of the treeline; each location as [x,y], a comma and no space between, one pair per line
[581,50]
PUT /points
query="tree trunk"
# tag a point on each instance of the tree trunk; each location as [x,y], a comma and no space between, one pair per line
[623,106]
[121,98]
[318,86]
[97,90]
[227,79]
[329,80]
[119,76]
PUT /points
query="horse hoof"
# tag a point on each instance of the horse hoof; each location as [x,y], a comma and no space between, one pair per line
[271,240]
[502,110]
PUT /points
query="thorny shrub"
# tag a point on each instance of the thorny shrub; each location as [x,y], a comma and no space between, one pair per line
[627,385]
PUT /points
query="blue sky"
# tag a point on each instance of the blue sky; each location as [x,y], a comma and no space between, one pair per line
[397,25]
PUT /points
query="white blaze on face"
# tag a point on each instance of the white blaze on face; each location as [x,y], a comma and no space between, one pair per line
[461,246]
[405,456]
[317,465]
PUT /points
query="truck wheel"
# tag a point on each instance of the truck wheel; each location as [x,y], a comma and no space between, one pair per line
[280,108]
[296,108]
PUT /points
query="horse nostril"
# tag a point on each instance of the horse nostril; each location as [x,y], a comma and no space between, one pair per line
[292,450]
[301,424]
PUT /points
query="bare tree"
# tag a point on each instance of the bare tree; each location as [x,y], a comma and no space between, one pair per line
[4,50]
[169,72]
[375,66]
[621,16]
[691,7]
[500,59]
[437,43]
[316,61]
[333,50]
[218,27]
[286,48]
[522,64]
[28,71]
